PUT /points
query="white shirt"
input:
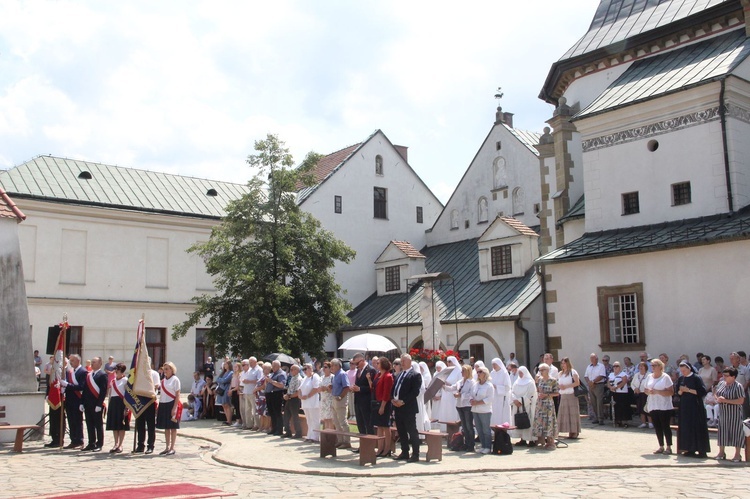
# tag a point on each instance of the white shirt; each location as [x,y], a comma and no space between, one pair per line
[197,387]
[659,402]
[155,380]
[616,379]
[121,384]
[593,372]
[309,384]
[554,373]
[484,392]
[567,379]
[172,385]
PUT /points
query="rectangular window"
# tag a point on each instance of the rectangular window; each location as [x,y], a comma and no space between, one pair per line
[476,350]
[420,219]
[156,342]
[502,261]
[337,204]
[630,203]
[392,278]
[202,351]
[681,193]
[621,316]
[381,204]
[75,340]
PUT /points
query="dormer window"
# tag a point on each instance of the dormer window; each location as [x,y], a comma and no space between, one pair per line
[502,260]
[212,192]
[378,165]
[84,175]
[392,278]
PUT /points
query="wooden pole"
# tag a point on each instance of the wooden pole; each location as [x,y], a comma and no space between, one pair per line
[62,366]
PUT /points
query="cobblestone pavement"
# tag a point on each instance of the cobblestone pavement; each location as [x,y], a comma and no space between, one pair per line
[565,473]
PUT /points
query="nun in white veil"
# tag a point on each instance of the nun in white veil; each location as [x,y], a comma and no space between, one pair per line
[500,379]
[523,395]
[477,366]
[426,379]
[448,412]
[438,399]
[421,415]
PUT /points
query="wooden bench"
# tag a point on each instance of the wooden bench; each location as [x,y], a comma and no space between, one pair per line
[451,427]
[20,429]
[434,441]
[367,444]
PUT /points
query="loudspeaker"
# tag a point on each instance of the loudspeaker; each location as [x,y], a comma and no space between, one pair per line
[52,334]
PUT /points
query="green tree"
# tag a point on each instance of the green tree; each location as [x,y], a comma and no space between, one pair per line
[272,265]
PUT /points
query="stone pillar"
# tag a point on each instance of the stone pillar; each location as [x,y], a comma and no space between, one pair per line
[546,148]
[562,134]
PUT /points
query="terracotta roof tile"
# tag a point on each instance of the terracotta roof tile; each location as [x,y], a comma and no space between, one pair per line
[8,208]
[408,249]
[519,226]
[328,163]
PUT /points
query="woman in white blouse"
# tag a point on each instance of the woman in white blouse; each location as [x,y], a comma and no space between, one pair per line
[639,386]
[482,394]
[568,414]
[170,407]
[310,399]
[524,399]
[659,390]
[118,418]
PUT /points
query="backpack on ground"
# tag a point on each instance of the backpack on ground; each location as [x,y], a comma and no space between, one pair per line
[457,441]
[502,444]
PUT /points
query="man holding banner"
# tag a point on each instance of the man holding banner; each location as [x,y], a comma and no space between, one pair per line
[55,389]
[140,393]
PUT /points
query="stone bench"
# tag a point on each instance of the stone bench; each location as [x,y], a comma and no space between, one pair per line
[19,429]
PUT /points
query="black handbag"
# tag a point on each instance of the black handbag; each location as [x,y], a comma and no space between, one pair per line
[521,419]
[581,390]
[219,391]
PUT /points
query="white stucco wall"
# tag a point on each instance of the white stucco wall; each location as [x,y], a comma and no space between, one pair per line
[124,264]
[695,300]
[739,160]
[356,225]
[585,89]
[521,171]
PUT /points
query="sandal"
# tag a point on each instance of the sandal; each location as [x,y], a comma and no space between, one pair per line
[736,459]
[721,457]
[660,450]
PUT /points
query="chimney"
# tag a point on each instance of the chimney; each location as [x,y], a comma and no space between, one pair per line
[507,118]
[403,151]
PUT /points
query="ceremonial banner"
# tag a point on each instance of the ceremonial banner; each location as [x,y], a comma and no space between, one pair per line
[54,395]
[139,392]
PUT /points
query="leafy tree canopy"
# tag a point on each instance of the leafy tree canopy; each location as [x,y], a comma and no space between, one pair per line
[272,265]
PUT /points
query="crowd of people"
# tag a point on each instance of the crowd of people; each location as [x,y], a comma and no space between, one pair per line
[535,407]
[95,394]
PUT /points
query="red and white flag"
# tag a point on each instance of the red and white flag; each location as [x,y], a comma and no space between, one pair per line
[54,396]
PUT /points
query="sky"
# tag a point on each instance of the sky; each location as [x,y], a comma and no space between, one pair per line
[188,87]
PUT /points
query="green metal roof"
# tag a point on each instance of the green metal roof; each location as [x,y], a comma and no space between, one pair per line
[474,300]
[673,71]
[578,210]
[646,238]
[82,182]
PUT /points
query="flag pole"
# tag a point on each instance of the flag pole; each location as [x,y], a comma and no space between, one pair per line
[135,417]
[63,366]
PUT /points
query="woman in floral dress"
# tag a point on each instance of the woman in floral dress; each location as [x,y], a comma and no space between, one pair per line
[326,399]
[260,399]
[545,420]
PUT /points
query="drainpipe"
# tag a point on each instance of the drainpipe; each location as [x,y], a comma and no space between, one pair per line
[723,119]
[540,273]
[527,349]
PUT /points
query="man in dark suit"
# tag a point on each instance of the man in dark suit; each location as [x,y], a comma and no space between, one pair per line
[94,394]
[363,394]
[405,392]
[75,380]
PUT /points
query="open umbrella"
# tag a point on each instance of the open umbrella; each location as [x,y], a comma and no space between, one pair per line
[368,342]
[438,380]
[281,357]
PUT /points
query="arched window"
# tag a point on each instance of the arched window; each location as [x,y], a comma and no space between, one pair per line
[454,219]
[518,201]
[378,165]
[500,173]
[482,209]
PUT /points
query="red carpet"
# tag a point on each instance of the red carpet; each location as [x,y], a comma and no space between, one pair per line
[148,491]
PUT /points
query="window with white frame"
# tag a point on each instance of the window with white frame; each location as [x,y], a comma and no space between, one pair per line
[502,260]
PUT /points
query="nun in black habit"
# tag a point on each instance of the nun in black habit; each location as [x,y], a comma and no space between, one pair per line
[692,431]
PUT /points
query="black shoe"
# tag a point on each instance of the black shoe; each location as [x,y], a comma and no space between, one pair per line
[89,448]
[356,451]
[413,459]
[53,444]
[150,450]
[521,442]
[96,449]
[138,450]
[402,457]
[286,435]
[73,445]
[270,432]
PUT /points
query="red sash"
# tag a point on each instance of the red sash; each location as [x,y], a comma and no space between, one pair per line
[93,387]
[178,413]
[72,381]
[114,387]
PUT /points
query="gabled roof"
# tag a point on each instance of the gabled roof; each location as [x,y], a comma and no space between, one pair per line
[529,139]
[475,301]
[73,181]
[519,226]
[408,249]
[8,208]
[673,71]
[325,167]
[646,238]
[618,20]
[621,25]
